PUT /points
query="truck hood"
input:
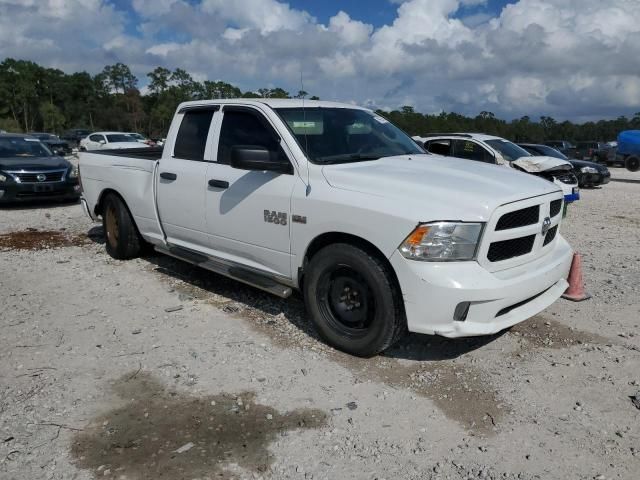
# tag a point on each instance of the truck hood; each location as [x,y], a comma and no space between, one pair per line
[454,188]
[541,164]
[33,163]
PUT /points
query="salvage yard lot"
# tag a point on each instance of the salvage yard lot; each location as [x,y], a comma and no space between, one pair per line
[153,368]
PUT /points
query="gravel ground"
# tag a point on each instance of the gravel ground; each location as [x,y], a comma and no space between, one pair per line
[154,369]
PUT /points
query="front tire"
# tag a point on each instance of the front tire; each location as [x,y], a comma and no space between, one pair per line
[632,163]
[122,239]
[353,300]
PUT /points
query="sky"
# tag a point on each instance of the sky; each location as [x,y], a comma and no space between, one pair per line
[569,59]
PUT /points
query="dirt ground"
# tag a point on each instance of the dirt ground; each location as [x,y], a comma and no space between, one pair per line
[154,369]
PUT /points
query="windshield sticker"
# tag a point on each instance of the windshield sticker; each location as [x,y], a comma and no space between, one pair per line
[304,124]
[32,140]
[307,123]
[379,119]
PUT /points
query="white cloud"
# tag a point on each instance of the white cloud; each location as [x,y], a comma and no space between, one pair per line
[264,15]
[350,31]
[163,49]
[566,58]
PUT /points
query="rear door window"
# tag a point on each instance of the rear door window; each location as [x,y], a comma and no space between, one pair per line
[470,150]
[439,147]
[192,135]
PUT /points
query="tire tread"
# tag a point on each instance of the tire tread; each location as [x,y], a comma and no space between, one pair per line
[398,327]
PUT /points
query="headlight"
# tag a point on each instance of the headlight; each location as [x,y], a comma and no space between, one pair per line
[588,170]
[442,241]
[73,172]
[3,178]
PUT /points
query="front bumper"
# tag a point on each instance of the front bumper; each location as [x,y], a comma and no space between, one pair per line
[23,192]
[497,300]
[594,179]
[573,196]
[571,192]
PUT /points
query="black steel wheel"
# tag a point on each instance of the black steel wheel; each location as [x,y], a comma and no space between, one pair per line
[353,300]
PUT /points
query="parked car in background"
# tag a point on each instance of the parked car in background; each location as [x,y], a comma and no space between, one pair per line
[588,150]
[74,135]
[30,171]
[138,137]
[109,140]
[589,174]
[55,143]
[563,146]
[336,201]
[496,150]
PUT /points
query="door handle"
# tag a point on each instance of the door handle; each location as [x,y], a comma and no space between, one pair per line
[168,176]
[218,183]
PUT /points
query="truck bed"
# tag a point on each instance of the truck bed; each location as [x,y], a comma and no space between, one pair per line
[130,173]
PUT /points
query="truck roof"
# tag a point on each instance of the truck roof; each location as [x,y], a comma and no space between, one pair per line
[272,102]
[476,136]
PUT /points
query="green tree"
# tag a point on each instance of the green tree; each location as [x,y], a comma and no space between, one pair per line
[52,117]
[119,78]
[218,89]
[159,80]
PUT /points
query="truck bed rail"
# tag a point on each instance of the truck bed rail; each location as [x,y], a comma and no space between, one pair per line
[144,153]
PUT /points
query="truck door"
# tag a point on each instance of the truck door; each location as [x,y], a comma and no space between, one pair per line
[470,150]
[182,179]
[248,212]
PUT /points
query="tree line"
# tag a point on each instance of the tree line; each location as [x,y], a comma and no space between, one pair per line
[34,98]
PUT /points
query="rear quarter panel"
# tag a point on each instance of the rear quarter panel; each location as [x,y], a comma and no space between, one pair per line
[131,178]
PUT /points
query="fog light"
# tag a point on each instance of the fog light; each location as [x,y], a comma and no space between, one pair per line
[461,311]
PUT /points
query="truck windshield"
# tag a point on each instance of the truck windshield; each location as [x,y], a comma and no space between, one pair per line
[552,152]
[23,147]
[119,137]
[510,151]
[343,135]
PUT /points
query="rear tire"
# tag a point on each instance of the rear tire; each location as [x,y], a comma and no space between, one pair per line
[632,163]
[353,300]
[122,239]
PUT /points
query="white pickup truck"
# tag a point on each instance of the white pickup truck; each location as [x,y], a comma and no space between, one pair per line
[335,201]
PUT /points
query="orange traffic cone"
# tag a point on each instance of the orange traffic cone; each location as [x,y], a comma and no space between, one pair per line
[576,292]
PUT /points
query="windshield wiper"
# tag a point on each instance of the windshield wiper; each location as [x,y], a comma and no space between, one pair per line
[347,158]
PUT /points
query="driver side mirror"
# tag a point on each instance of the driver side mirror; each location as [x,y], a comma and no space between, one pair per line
[255,157]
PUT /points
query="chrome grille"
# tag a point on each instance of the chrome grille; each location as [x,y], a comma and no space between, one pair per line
[45,177]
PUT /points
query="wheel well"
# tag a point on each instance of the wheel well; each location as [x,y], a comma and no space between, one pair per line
[330,238]
[98,208]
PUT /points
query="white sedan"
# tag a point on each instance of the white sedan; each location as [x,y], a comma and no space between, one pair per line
[109,140]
